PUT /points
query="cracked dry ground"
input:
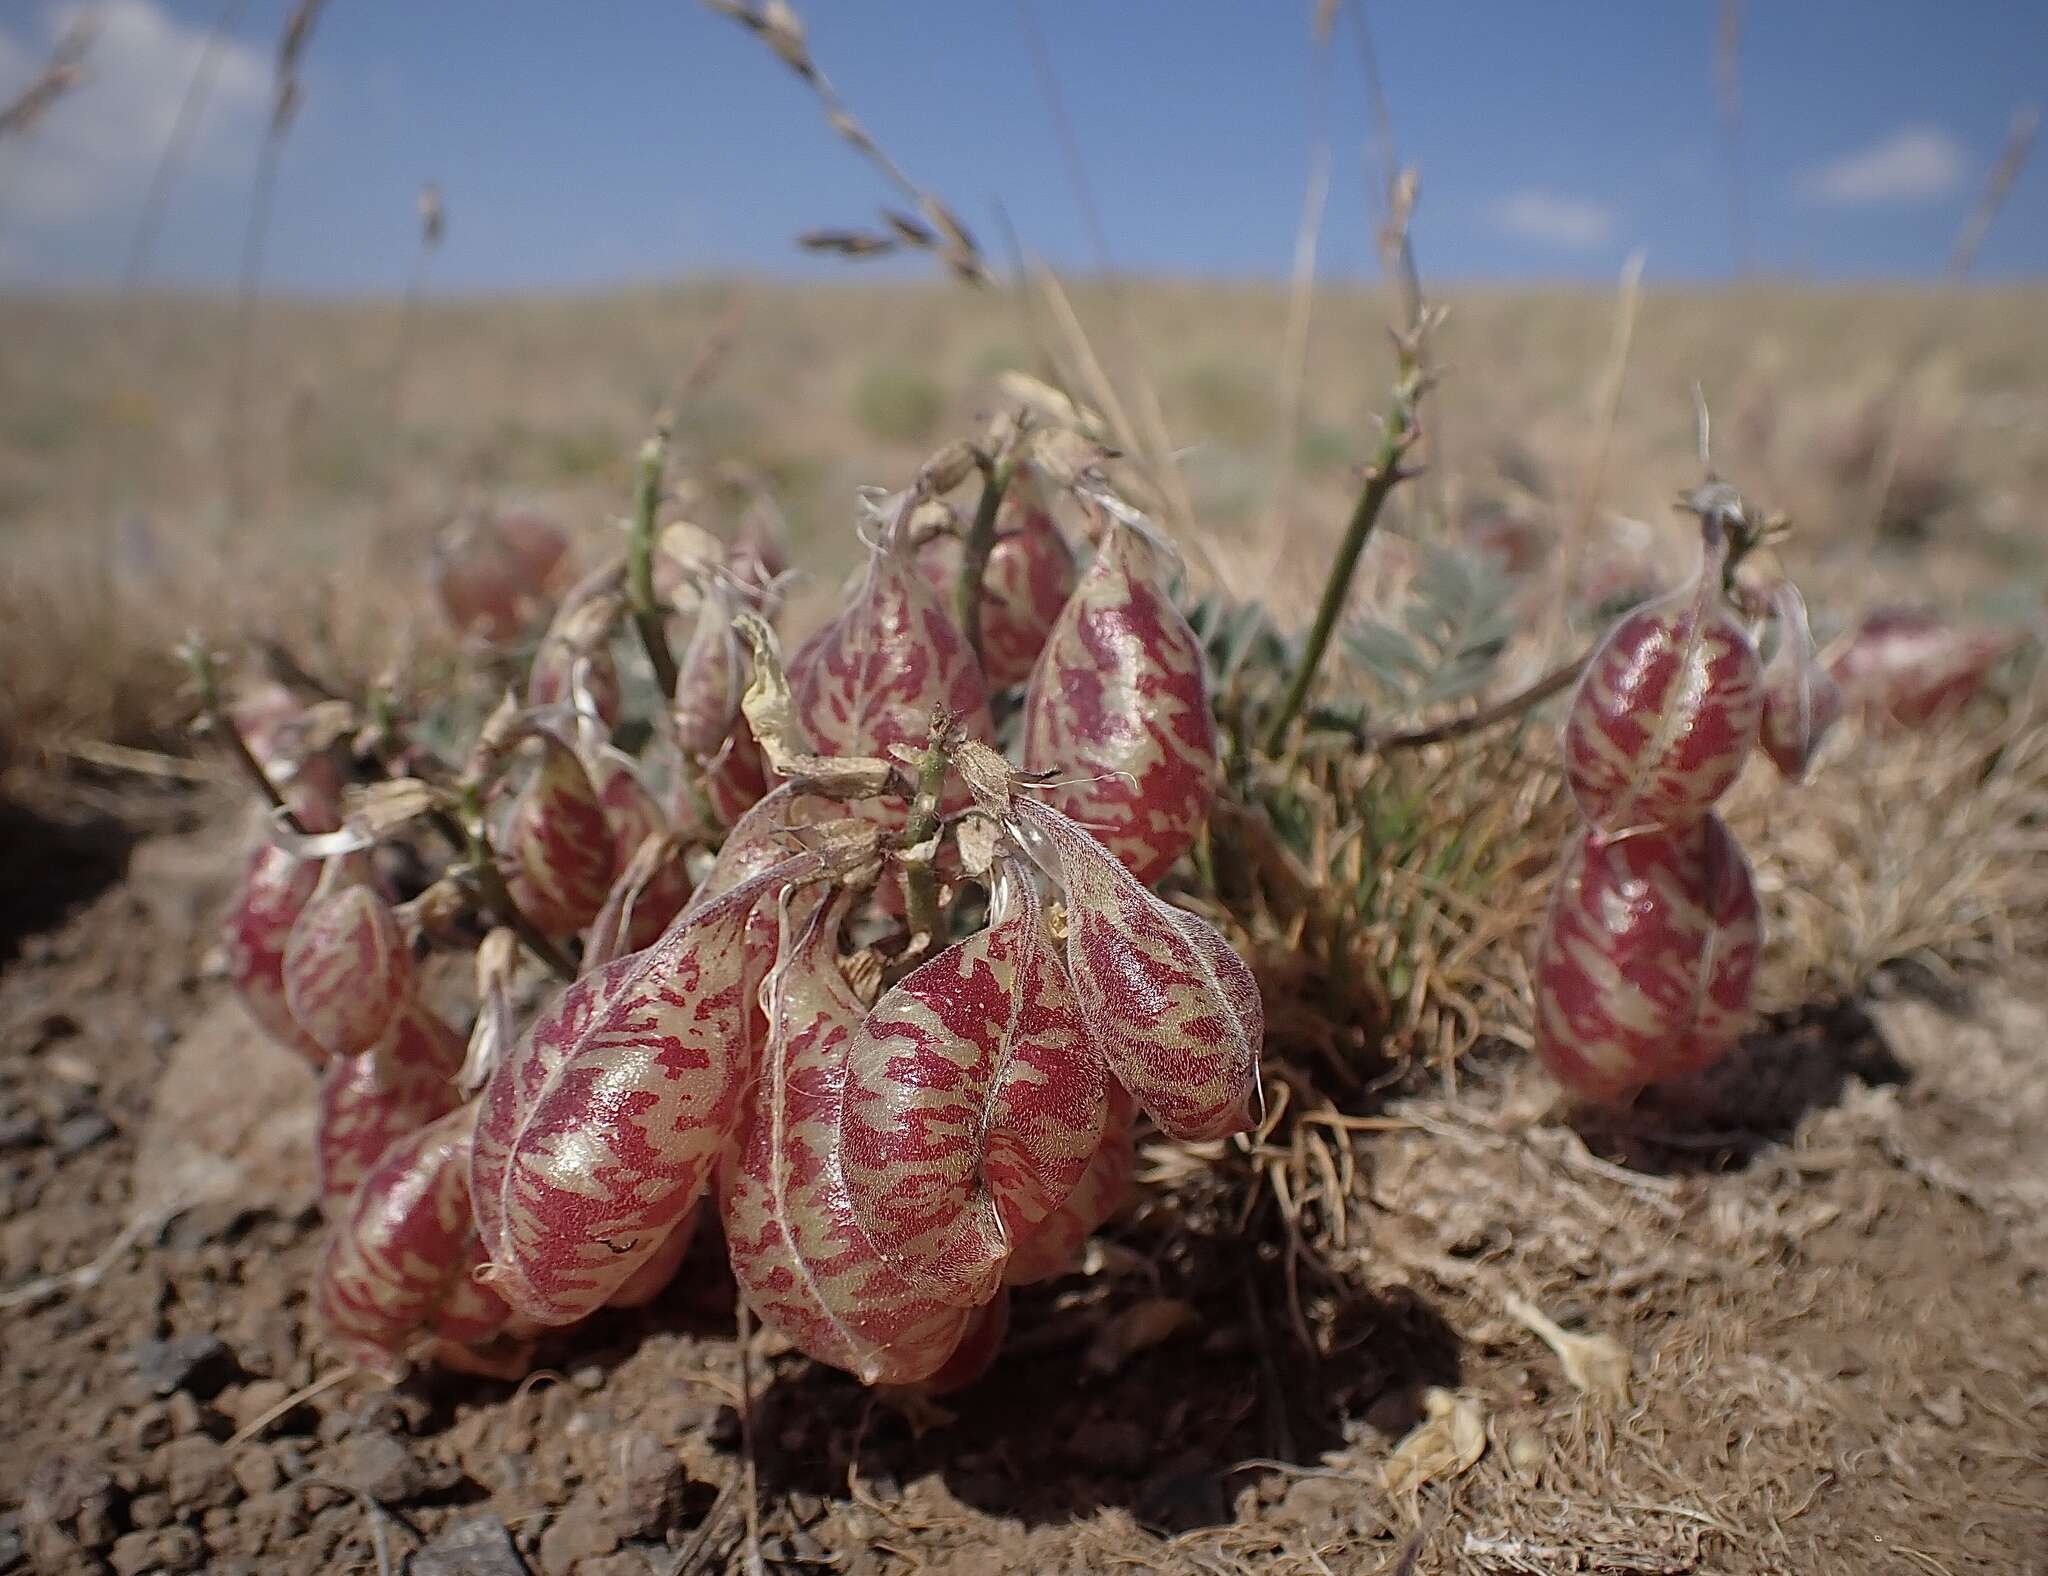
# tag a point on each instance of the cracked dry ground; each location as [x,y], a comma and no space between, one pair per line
[1837,1320]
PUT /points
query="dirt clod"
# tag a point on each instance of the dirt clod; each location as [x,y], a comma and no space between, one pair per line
[578,1532]
[381,1466]
[478,1546]
[650,1491]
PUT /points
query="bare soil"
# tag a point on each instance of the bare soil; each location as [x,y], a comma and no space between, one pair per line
[1828,1270]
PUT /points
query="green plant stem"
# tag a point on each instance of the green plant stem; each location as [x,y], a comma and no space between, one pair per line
[981,542]
[640,564]
[1479,721]
[1381,479]
[920,880]
[469,834]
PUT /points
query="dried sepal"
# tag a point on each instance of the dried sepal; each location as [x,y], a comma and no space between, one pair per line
[1647,961]
[974,1101]
[347,967]
[1909,668]
[1169,1005]
[1668,708]
[558,843]
[771,710]
[1802,701]
[1118,709]
[405,1249]
[369,1101]
[804,1264]
[599,1129]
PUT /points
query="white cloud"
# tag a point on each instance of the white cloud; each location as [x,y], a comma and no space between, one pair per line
[95,148]
[1913,164]
[1551,219]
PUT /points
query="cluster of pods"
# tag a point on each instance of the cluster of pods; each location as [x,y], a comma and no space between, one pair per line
[894,1112]
[1646,966]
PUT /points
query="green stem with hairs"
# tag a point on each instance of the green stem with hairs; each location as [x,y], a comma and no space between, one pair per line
[981,542]
[920,880]
[647,617]
[1381,478]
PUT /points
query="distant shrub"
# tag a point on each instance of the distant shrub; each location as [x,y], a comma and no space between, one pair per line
[898,405]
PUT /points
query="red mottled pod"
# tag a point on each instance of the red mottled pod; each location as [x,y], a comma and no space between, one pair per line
[572,665]
[1053,1246]
[1168,1004]
[1801,698]
[347,966]
[1647,960]
[709,678]
[600,1127]
[1119,708]
[650,888]
[491,575]
[873,676]
[732,783]
[804,1263]
[406,1251]
[973,1102]
[367,1102]
[1668,708]
[1910,667]
[276,887]
[648,1282]
[558,843]
[760,548]
[979,1344]
[1030,576]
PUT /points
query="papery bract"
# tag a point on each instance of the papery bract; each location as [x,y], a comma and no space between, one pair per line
[558,843]
[1118,708]
[1648,958]
[974,1100]
[1167,1002]
[804,1264]
[406,1251]
[1667,710]
[599,1129]
[873,677]
[276,887]
[1053,1246]
[1910,667]
[1029,577]
[1802,701]
[369,1101]
[347,967]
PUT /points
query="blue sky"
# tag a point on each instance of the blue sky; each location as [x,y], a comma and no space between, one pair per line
[620,140]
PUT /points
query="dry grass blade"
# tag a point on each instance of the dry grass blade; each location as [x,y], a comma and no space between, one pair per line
[60,74]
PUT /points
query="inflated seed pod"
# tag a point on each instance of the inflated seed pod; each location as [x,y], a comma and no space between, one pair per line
[979,1344]
[1647,962]
[491,574]
[651,1279]
[1668,708]
[1169,1006]
[656,885]
[406,1251]
[276,887]
[1030,575]
[873,676]
[347,967]
[974,1100]
[710,676]
[599,1129]
[558,844]
[1118,707]
[732,783]
[369,1101]
[1909,667]
[804,1264]
[1053,1246]
[573,663]
[1801,698]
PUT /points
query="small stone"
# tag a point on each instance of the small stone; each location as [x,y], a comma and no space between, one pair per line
[77,1134]
[578,1532]
[257,1471]
[150,1426]
[184,1414]
[20,1130]
[177,1549]
[132,1555]
[480,1546]
[196,1474]
[649,1493]
[381,1466]
[150,1511]
[201,1365]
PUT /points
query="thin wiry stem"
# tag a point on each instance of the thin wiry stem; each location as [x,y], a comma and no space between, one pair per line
[647,616]
[981,541]
[1487,717]
[178,144]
